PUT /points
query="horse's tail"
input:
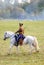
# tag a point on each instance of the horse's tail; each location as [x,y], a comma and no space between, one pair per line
[36,44]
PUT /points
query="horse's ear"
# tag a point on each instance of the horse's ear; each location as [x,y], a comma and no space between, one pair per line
[5,32]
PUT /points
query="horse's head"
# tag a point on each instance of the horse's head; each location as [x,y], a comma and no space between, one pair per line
[8,34]
[5,36]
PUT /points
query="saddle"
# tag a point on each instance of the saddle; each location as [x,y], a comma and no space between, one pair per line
[19,39]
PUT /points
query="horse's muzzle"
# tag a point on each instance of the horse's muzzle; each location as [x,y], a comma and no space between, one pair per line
[4,39]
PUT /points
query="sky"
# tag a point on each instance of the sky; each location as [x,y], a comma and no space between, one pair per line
[12,1]
[2,0]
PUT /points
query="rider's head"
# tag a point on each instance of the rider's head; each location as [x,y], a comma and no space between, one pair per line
[20,24]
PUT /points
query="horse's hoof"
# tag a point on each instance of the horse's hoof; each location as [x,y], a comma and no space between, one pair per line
[8,53]
[37,51]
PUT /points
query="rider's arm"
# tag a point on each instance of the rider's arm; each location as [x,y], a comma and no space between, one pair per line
[20,30]
[17,31]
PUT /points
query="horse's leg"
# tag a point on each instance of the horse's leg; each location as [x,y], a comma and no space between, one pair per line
[11,45]
[17,50]
[36,45]
[12,42]
[31,49]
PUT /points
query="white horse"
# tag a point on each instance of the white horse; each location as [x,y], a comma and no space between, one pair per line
[31,40]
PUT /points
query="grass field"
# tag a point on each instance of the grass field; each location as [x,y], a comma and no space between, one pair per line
[35,28]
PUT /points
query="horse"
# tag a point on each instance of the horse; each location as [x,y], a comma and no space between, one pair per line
[31,40]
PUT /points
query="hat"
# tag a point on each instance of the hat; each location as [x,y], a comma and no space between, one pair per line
[20,24]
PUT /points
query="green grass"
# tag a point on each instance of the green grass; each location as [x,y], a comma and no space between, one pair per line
[35,28]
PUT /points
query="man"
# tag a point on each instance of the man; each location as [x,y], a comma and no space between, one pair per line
[20,34]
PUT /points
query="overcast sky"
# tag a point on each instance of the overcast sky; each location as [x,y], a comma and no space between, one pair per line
[12,1]
[3,0]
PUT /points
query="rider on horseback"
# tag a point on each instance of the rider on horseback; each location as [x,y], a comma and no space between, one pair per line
[20,37]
